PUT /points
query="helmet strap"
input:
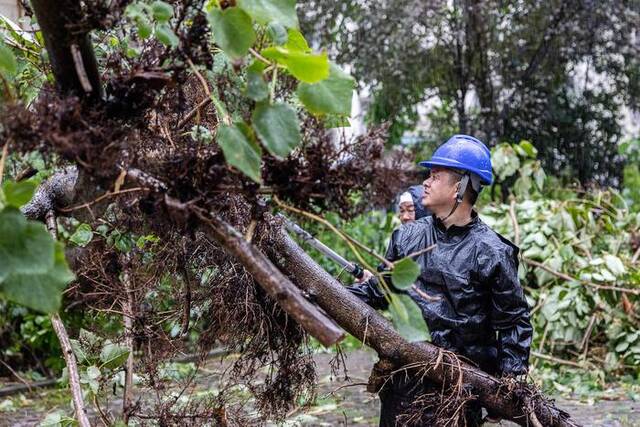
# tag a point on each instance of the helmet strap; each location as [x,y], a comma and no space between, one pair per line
[462,188]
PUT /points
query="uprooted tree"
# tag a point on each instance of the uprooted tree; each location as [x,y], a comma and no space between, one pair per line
[160,141]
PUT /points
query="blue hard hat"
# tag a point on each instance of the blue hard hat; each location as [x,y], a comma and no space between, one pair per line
[464,152]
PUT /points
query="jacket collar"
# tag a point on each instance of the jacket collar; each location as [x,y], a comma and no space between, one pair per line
[456,230]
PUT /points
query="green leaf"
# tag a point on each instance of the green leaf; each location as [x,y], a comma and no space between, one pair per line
[528,148]
[405,272]
[277,33]
[18,193]
[615,265]
[93,372]
[78,351]
[161,11]
[504,160]
[239,152]
[82,236]
[330,96]
[8,62]
[296,41]
[113,356]
[144,27]
[407,318]
[166,36]
[232,30]
[34,271]
[539,176]
[278,128]
[282,12]
[257,88]
[306,67]
[25,246]
[622,347]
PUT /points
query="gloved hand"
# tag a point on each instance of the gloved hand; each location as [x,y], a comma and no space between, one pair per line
[366,275]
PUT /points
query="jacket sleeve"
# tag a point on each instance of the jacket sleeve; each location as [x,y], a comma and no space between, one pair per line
[369,291]
[510,315]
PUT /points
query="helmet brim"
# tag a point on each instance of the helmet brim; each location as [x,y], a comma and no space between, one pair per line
[452,164]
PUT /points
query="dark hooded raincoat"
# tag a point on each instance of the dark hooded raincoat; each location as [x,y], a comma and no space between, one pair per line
[478,308]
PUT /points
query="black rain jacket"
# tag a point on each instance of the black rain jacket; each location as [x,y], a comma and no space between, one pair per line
[480,311]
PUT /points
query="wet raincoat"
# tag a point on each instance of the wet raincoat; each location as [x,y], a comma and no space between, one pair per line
[480,311]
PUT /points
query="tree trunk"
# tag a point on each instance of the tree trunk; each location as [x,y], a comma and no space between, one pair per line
[71,55]
[67,351]
[277,285]
[359,319]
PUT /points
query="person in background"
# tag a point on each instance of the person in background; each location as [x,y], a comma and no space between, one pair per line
[406,208]
[410,207]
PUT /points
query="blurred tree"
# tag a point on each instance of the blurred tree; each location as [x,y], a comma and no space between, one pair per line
[556,72]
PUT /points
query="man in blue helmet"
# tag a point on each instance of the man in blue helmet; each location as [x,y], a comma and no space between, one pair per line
[468,289]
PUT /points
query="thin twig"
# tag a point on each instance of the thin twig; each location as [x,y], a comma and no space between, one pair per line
[573,279]
[514,221]
[99,199]
[274,81]
[193,112]
[65,344]
[635,256]
[557,360]
[80,70]
[421,251]
[253,52]
[5,150]
[226,119]
[585,338]
[348,239]
[15,374]
[331,393]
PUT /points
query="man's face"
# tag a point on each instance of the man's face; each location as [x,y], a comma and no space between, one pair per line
[407,212]
[440,189]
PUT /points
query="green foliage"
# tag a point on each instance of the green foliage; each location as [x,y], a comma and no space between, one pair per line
[8,63]
[405,273]
[16,194]
[485,69]
[161,11]
[166,36]
[82,236]
[281,12]
[586,237]
[278,128]
[34,271]
[239,151]
[516,166]
[20,62]
[232,30]
[257,88]
[407,318]
[631,174]
[330,96]
[306,67]
[323,88]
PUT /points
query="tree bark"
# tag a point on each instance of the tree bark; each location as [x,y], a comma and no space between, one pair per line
[359,319]
[277,285]
[127,319]
[71,55]
[67,351]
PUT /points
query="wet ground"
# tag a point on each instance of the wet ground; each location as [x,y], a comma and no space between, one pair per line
[340,402]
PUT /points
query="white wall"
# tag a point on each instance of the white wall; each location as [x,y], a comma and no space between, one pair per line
[11,9]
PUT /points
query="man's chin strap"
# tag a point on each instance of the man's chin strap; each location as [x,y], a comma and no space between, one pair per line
[462,188]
